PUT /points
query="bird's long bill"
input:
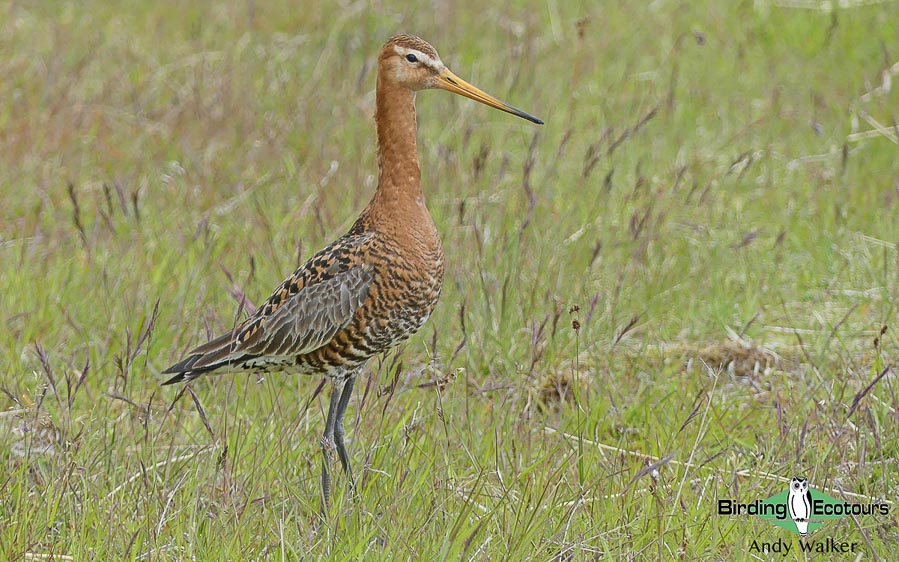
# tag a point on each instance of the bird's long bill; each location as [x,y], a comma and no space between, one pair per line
[452,83]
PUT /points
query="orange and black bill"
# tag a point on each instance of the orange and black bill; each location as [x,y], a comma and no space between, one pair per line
[452,83]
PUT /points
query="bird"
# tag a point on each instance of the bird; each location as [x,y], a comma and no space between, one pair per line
[373,287]
[799,501]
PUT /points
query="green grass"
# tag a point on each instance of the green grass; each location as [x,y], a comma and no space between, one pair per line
[695,192]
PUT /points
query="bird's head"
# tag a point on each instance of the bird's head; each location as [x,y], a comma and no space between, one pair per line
[410,62]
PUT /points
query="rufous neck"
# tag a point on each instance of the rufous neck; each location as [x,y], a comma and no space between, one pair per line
[399,172]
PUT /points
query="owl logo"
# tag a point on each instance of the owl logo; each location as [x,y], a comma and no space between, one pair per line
[799,502]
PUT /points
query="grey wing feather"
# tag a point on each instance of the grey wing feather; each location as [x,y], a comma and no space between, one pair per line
[311,317]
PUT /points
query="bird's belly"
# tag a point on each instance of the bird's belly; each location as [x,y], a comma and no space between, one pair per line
[404,314]
[386,319]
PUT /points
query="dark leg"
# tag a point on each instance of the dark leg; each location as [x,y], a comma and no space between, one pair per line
[328,443]
[338,428]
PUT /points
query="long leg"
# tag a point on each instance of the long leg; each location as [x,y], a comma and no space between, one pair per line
[328,442]
[338,429]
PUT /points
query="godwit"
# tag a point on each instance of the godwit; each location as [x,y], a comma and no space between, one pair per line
[372,288]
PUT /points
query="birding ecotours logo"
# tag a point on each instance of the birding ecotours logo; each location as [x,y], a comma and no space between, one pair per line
[802,510]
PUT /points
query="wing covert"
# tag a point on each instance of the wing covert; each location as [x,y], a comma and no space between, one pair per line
[309,318]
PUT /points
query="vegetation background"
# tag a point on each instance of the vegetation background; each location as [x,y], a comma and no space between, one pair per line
[681,289]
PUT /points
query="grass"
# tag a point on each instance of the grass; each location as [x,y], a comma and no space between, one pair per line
[704,205]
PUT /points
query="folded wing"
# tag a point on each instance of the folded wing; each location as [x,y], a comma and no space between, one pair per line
[301,323]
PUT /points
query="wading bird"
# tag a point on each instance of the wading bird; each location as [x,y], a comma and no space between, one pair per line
[372,288]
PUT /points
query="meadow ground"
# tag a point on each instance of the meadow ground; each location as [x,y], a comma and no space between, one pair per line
[680,289]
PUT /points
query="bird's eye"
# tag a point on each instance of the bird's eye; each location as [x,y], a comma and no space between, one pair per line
[411,58]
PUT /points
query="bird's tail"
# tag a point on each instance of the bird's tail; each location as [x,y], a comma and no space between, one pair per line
[215,355]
